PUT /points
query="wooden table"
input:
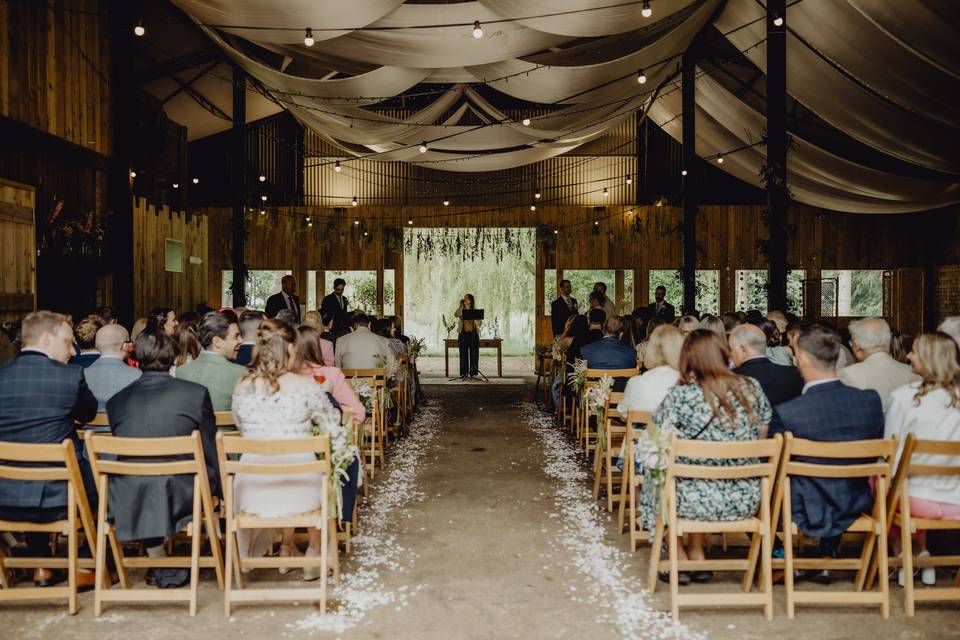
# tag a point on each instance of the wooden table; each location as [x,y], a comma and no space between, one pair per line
[485,343]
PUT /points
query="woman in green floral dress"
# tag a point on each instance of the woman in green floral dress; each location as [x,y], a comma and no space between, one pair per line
[715,405]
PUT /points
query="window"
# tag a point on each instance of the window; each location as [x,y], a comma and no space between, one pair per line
[626,306]
[361,289]
[752,290]
[550,291]
[707,298]
[260,286]
[311,297]
[860,291]
[389,292]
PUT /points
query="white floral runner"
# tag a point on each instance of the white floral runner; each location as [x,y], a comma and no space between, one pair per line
[621,601]
[362,588]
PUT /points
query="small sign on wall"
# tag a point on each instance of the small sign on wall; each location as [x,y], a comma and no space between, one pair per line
[174,256]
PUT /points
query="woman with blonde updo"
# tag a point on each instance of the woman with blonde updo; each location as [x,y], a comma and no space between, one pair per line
[272,402]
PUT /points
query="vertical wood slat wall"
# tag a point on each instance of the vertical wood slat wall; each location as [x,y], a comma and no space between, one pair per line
[154,286]
[18,258]
[53,69]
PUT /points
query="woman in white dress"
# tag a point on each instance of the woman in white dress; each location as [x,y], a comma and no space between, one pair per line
[272,402]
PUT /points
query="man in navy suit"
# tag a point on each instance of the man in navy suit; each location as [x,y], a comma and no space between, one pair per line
[41,397]
[286,299]
[828,411]
[562,308]
[610,353]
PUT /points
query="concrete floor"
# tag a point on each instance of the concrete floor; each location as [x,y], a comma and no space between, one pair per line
[481,550]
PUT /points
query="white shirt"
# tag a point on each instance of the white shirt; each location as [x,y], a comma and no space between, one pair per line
[809,385]
[646,392]
[932,419]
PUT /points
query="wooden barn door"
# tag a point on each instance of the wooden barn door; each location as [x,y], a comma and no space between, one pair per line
[18,256]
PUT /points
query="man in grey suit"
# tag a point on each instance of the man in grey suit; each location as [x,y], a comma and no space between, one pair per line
[363,349]
[109,374]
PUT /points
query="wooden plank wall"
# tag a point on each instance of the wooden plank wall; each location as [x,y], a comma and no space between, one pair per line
[54,69]
[18,258]
[154,286]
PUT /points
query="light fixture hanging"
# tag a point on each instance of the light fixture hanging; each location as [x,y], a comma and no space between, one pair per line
[356,222]
[556,231]
[423,147]
[446,202]
[410,221]
[263,198]
[309,224]
[596,223]
[646,11]
[629,179]
[777,20]
[526,122]
[133,174]
[196,181]
[355,202]
[263,212]
[720,158]
[263,178]
[477,31]
[605,192]
[138,30]
[683,172]
[176,185]
[641,77]
[533,207]
[536,194]
[337,167]
[308,38]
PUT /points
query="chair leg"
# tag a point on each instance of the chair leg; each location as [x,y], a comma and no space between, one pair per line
[597,472]
[752,557]
[72,554]
[788,551]
[195,535]
[4,581]
[228,577]
[654,569]
[101,551]
[906,543]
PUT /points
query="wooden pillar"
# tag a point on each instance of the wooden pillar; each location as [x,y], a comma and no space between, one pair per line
[239,184]
[619,291]
[777,154]
[689,267]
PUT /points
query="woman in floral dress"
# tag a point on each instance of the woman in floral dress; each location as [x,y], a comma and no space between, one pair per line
[715,405]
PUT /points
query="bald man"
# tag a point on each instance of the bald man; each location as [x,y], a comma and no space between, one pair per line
[109,374]
[875,368]
[748,348]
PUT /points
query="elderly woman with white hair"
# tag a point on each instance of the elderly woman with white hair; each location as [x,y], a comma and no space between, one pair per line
[875,369]
[951,327]
[662,356]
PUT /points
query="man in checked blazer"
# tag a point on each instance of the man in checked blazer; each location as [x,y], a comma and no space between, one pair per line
[828,411]
[41,397]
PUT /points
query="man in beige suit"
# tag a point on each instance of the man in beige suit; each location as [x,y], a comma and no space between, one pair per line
[875,369]
[361,348]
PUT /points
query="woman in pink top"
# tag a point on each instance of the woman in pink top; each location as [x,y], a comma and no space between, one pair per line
[316,320]
[332,379]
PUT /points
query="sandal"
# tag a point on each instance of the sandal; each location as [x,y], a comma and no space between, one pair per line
[287,552]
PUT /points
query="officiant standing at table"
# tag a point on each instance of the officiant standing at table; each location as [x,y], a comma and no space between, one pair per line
[335,304]
[468,338]
[286,299]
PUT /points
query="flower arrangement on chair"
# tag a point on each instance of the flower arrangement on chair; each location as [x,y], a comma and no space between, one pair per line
[415,345]
[651,453]
[596,398]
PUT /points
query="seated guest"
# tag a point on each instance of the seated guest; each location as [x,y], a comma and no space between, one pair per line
[626,335]
[191,317]
[951,327]
[109,374]
[385,328]
[610,353]
[642,346]
[107,314]
[640,319]
[398,329]
[288,316]
[748,346]
[712,404]
[41,398]
[187,343]
[138,326]
[730,322]
[219,335]
[85,334]
[875,369]
[163,319]
[929,409]
[273,402]
[713,323]
[249,323]
[580,337]
[779,320]
[159,406]
[314,319]
[688,324]
[828,411]
[596,317]
[775,351]
[662,357]
[899,346]
[362,349]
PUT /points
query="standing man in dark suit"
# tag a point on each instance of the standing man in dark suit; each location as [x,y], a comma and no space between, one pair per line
[41,397]
[828,411]
[562,308]
[159,406]
[610,353]
[748,346]
[661,309]
[286,299]
[335,304]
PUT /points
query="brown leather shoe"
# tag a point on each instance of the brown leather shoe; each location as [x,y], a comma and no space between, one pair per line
[48,577]
[86,580]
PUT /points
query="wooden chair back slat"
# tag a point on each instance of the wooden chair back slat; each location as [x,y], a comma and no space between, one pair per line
[937,447]
[312,444]
[726,450]
[224,418]
[723,473]
[49,474]
[143,447]
[639,417]
[845,449]
[613,373]
[22,452]
[320,466]
[365,373]
[168,468]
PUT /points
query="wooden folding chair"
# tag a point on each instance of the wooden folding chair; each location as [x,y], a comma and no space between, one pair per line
[898,511]
[630,490]
[588,430]
[124,453]
[758,527]
[48,462]
[873,526]
[225,421]
[374,444]
[319,519]
[356,438]
[607,447]
[100,423]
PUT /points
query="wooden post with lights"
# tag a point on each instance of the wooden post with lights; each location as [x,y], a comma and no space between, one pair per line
[690,165]
[777,199]
[238,152]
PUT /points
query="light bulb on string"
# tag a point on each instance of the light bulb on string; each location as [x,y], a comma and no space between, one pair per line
[423,147]
[410,221]
[777,20]
[605,192]
[356,222]
[308,38]
[596,223]
[641,77]
[337,167]
[176,185]
[196,181]
[629,179]
[526,122]
[646,11]
[446,202]
[139,30]
[720,158]
[365,234]
[533,207]
[133,174]
[263,178]
[536,194]
[263,212]
[355,202]
[477,31]
[556,231]
[263,198]
[683,172]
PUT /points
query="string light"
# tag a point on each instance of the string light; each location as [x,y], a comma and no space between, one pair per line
[176,185]
[596,223]
[477,31]
[536,194]
[720,158]
[646,11]
[263,212]
[641,77]
[308,38]
[196,181]
[423,147]
[526,122]
[309,224]
[410,221]
[133,174]
[356,222]
[355,202]
[263,178]
[533,207]
[629,179]
[337,167]
[556,231]
[263,198]
[777,20]
[138,30]
[446,202]
[605,192]
[307,218]
[683,172]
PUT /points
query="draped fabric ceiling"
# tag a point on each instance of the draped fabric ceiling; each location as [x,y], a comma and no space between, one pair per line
[881,72]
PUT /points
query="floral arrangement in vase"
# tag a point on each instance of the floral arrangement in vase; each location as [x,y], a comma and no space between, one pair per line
[72,236]
[415,345]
